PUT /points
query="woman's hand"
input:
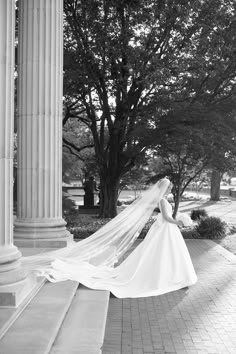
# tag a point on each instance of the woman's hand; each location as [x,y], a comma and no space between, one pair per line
[179,223]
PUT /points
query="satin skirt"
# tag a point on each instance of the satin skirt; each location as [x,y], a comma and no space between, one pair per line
[159,264]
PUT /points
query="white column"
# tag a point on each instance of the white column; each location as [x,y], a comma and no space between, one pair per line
[40,67]
[13,280]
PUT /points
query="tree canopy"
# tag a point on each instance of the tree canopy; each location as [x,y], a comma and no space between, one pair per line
[129,64]
[188,149]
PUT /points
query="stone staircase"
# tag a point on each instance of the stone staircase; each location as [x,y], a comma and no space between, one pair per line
[57,318]
[83,329]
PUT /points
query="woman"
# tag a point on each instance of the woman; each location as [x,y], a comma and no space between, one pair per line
[159,264]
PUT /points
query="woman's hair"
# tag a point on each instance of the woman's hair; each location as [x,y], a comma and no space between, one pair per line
[164,184]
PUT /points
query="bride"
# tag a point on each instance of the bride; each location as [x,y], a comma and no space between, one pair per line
[159,264]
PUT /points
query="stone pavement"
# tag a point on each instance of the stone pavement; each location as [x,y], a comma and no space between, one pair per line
[199,320]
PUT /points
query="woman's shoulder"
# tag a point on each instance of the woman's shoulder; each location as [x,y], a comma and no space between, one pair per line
[163,201]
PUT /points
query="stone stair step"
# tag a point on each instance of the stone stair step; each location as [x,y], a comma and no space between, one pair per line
[35,330]
[8,315]
[83,329]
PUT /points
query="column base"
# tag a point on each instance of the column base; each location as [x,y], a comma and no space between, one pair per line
[44,234]
[12,295]
[43,243]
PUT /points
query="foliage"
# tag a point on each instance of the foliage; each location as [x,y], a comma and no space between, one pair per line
[187,149]
[82,226]
[135,179]
[72,168]
[68,207]
[211,228]
[231,228]
[190,233]
[78,160]
[197,214]
[129,65]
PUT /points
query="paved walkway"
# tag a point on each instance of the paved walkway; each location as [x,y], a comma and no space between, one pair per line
[199,320]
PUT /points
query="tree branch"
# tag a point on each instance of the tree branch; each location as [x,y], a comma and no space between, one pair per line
[78,149]
[73,153]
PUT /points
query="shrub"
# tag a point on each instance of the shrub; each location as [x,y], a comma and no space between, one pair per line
[70,216]
[197,214]
[231,228]
[211,228]
[190,233]
[83,226]
[68,205]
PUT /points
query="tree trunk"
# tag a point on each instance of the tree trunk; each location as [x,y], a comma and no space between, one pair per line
[215,185]
[108,197]
[176,204]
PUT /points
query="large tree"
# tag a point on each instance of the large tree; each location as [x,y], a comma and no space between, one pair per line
[127,61]
[78,159]
[196,142]
[224,153]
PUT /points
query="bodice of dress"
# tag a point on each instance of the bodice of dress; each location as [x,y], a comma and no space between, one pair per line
[168,206]
[160,219]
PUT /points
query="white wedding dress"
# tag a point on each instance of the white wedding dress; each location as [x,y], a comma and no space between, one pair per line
[159,264]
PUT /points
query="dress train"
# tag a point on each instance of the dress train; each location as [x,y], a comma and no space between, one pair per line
[159,264]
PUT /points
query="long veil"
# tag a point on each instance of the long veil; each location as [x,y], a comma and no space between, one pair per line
[107,245]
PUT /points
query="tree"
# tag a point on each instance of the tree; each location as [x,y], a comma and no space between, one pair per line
[136,179]
[181,148]
[78,160]
[224,161]
[127,60]
[224,154]
[216,176]
[193,144]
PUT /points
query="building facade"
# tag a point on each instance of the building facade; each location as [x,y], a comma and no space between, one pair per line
[39,221]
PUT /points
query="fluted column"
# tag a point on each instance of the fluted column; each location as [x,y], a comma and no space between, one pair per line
[12,276]
[39,201]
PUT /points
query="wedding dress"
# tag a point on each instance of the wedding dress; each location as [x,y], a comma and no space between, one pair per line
[159,264]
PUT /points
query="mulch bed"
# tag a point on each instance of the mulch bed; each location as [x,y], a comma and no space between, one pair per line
[83,226]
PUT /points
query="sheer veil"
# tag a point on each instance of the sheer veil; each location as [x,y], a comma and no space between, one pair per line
[107,245]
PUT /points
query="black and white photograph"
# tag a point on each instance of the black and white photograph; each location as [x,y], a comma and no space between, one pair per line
[117,177]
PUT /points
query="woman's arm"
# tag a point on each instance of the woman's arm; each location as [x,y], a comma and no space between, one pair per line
[166,215]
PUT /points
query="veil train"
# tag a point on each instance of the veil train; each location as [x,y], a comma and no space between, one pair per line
[159,264]
[107,245]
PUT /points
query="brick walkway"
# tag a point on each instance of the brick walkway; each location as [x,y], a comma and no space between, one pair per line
[200,320]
